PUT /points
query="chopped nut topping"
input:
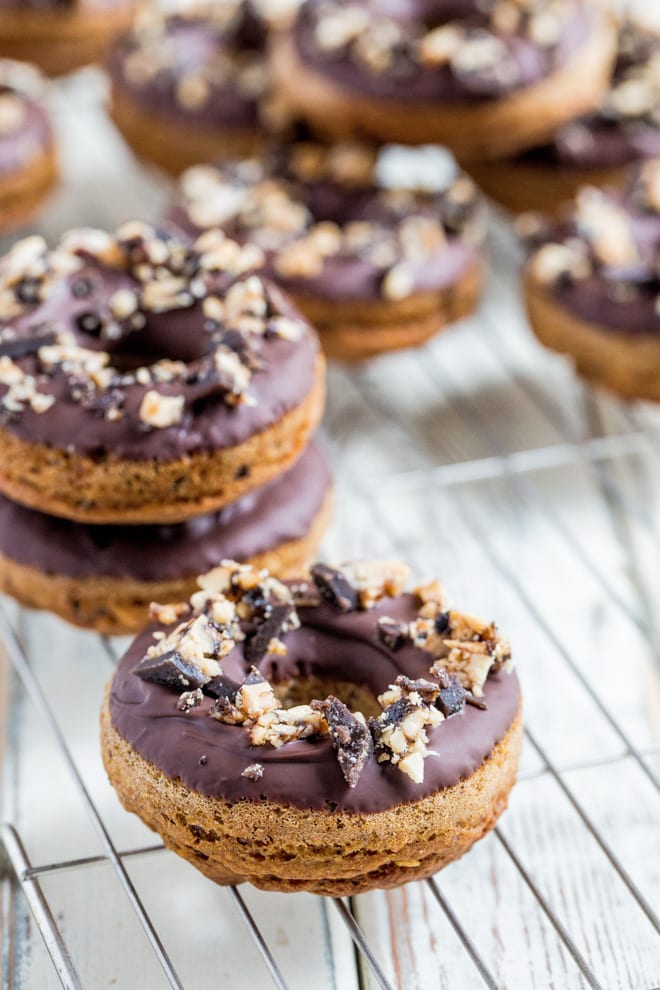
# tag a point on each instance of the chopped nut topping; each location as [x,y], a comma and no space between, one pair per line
[161,411]
[190,699]
[254,771]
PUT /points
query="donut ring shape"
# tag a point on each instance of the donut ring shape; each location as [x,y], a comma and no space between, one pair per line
[199,742]
[374,263]
[146,378]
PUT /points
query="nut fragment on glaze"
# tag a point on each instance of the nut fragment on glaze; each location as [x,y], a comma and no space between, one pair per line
[424,738]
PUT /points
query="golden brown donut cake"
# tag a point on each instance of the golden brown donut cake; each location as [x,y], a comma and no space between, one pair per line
[189,87]
[332,734]
[28,159]
[485,79]
[593,286]
[148,378]
[595,150]
[61,35]
[375,264]
[105,577]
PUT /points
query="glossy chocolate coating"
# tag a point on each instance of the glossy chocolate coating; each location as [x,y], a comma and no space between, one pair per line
[412,82]
[209,423]
[196,44]
[351,274]
[305,773]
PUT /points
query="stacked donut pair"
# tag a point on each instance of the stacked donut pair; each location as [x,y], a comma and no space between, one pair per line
[157,397]
[379,257]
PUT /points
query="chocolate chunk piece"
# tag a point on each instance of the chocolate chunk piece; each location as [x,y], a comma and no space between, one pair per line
[334,588]
[392,633]
[470,699]
[221,687]
[427,690]
[451,697]
[350,737]
[442,623]
[25,346]
[256,647]
[170,670]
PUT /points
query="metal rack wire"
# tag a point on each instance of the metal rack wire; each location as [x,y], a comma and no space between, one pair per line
[463,481]
[29,876]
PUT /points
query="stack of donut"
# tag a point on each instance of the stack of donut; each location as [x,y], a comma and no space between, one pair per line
[157,398]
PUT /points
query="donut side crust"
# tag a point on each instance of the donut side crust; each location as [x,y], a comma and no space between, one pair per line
[625,363]
[115,490]
[114,606]
[519,187]
[279,847]
[60,41]
[175,146]
[353,331]
[499,128]
[22,193]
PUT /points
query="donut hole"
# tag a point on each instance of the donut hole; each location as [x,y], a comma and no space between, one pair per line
[302,690]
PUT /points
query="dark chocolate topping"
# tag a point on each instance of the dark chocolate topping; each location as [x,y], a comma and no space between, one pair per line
[449,52]
[626,128]
[309,772]
[25,131]
[164,347]
[602,261]
[204,65]
[277,513]
[332,225]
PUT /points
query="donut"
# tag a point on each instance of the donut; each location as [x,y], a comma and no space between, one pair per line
[61,35]
[592,285]
[485,79]
[595,150]
[188,87]
[146,378]
[105,577]
[332,734]
[374,264]
[28,159]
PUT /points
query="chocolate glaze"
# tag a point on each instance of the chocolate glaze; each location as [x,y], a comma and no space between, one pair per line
[351,275]
[606,139]
[416,83]
[620,299]
[195,43]
[281,511]
[305,773]
[208,424]
[20,147]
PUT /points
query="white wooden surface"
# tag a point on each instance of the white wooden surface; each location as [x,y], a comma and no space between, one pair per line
[565,556]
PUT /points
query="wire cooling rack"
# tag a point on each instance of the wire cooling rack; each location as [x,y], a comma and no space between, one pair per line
[480,458]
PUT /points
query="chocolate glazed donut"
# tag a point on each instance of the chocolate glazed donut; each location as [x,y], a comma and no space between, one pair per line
[144,378]
[488,80]
[252,773]
[375,264]
[28,160]
[597,149]
[592,285]
[189,87]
